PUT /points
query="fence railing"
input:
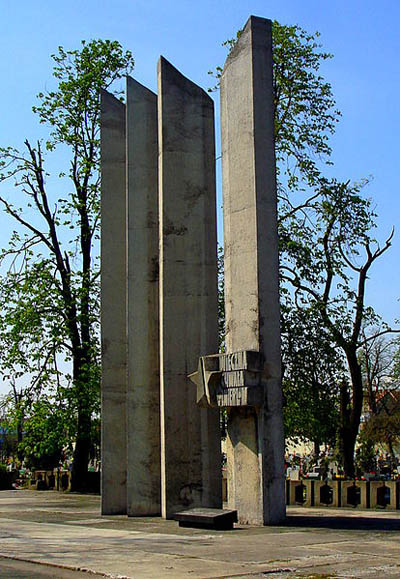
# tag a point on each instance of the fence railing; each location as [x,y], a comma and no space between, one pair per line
[344,493]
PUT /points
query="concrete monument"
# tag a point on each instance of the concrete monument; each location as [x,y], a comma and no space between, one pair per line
[255,442]
[113,306]
[143,383]
[130,329]
[161,450]
[191,456]
[247,379]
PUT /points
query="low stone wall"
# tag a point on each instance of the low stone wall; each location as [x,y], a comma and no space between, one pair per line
[326,495]
[385,492]
[362,494]
[60,480]
[42,480]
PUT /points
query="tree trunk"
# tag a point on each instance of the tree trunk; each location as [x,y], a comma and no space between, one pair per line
[20,430]
[348,445]
[83,439]
[81,453]
[350,411]
[83,434]
[346,435]
[391,452]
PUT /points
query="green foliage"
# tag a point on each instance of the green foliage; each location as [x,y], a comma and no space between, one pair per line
[73,109]
[323,258]
[312,368]
[31,326]
[383,427]
[45,434]
[305,113]
[365,456]
[326,244]
[327,253]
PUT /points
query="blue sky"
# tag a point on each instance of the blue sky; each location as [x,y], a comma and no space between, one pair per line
[362,35]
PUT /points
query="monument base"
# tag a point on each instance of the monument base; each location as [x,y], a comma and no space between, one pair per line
[258,496]
[244,472]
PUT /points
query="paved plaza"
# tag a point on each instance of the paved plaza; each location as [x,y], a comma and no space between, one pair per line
[49,534]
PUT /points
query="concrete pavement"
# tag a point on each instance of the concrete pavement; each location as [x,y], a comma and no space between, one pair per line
[66,535]
[15,569]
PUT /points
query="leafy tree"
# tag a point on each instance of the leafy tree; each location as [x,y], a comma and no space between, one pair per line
[312,368]
[8,438]
[324,225]
[378,357]
[365,455]
[29,343]
[327,261]
[53,276]
[45,435]
[325,228]
[305,111]
[305,118]
[383,427]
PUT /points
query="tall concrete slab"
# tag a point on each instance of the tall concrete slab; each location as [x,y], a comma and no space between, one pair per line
[255,435]
[190,451]
[143,393]
[113,306]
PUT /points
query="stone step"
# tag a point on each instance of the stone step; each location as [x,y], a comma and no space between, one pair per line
[219,519]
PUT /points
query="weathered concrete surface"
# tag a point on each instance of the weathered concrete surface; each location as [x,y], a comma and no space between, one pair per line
[190,451]
[143,391]
[243,465]
[251,270]
[67,530]
[113,305]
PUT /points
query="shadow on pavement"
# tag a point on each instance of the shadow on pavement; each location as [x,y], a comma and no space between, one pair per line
[353,523]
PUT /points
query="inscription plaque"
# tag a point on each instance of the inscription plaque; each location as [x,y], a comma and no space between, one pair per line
[229,379]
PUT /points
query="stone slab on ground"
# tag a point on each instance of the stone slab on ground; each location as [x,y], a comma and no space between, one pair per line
[67,530]
[219,519]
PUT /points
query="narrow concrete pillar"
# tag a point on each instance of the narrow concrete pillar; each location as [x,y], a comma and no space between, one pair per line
[190,442]
[113,306]
[143,394]
[255,445]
